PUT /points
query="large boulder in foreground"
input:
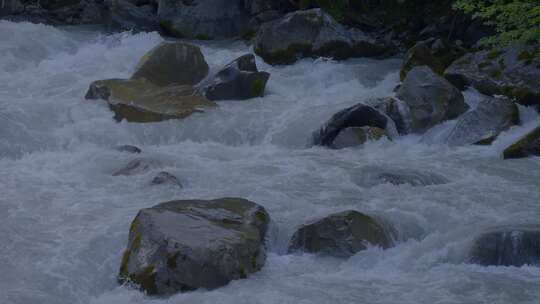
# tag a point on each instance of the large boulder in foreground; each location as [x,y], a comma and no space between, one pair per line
[513,72]
[312,33]
[431,99]
[528,145]
[483,124]
[203,19]
[141,101]
[172,63]
[512,246]
[356,117]
[184,245]
[239,79]
[341,234]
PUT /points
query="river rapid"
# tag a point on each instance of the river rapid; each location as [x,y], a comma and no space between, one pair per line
[64,218]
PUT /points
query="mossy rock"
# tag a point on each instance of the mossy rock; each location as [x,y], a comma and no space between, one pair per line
[528,145]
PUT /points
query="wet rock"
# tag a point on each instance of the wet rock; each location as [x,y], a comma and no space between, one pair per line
[312,33]
[172,63]
[528,145]
[203,19]
[370,176]
[359,115]
[184,245]
[129,149]
[137,166]
[483,124]
[126,15]
[356,136]
[513,246]
[513,72]
[397,110]
[256,7]
[341,234]
[436,54]
[166,178]
[239,79]
[10,7]
[141,101]
[431,99]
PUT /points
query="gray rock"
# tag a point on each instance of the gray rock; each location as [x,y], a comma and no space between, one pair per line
[513,72]
[431,99]
[184,245]
[356,136]
[203,19]
[172,63]
[359,115]
[436,54]
[312,33]
[166,178]
[125,15]
[397,110]
[370,176]
[341,234]
[239,79]
[256,7]
[483,124]
[129,149]
[10,7]
[508,246]
[528,145]
[137,166]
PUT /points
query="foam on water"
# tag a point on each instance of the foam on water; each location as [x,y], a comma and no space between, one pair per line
[65,218]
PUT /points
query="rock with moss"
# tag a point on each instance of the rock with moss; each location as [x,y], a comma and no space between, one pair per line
[483,124]
[127,15]
[431,99]
[512,72]
[172,63]
[141,101]
[357,116]
[508,246]
[528,145]
[189,244]
[341,234]
[239,79]
[313,33]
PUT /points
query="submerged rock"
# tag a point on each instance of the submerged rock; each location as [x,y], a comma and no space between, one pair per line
[370,176]
[172,63]
[312,33]
[341,234]
[141,101]
[436,54]
[514,246]
[164,177]
[184,245]
[129,149]
[431,99]
[483,124]
[357,116]
[513,72]
[239,79]
[528,145]
[137,166]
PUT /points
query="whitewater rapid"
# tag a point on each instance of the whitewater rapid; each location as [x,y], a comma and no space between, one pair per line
[64,218]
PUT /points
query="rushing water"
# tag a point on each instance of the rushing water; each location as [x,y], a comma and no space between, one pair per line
[64,218]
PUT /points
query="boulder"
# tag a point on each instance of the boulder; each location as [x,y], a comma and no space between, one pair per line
[512,71]
[129,149]
[137,166]
[483,124]
[126,15]
[188,244]
[370,176]
[239,79]
[431,99]
[341,234]
[141,101]
[436,54]
[172,63]
[356,136]
[203,19]
[164,177]
[397,110]
[10,7]
[359,115]
[312,33]
[528,145]
[508,246]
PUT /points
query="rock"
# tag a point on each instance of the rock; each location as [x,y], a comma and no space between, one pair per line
[341,234]
[483,124]
[239,79]
[256,7]
[203,19]
[129,149]
[166,178]
[397,110]
[512,246]
[125,15]
[172,63]
[137,166]
[528,145]
[370,176]
[431,99]
[141,101]
[359,115]
[436,54]
[356,136]
[184,245]
[312,33]
[10,7]
[513,72]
